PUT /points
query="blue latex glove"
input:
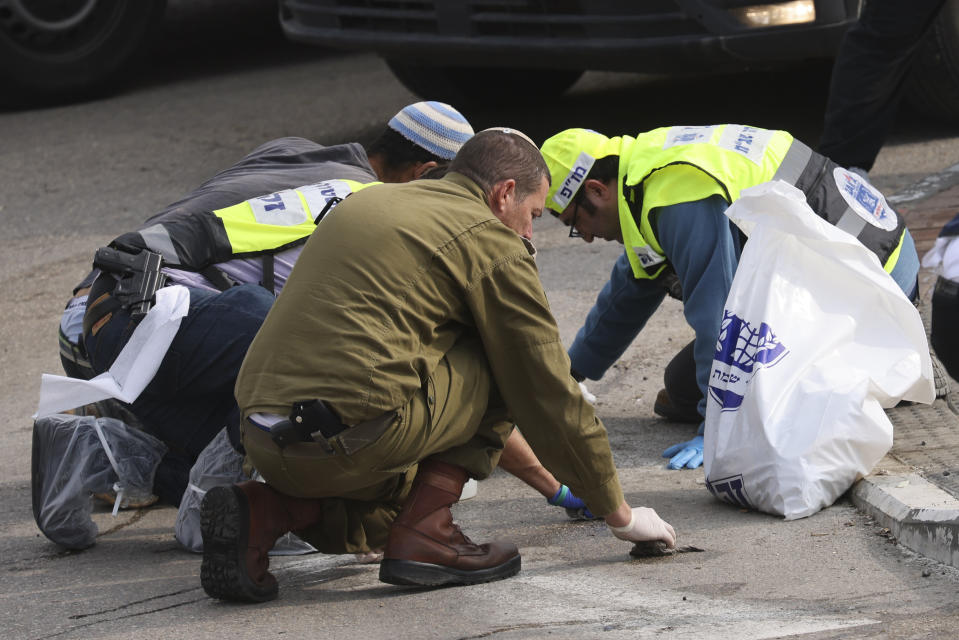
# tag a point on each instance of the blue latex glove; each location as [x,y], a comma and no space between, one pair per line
[685,454]
[576,509]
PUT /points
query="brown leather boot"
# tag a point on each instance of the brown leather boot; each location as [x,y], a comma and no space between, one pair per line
[425,548]
[240,524]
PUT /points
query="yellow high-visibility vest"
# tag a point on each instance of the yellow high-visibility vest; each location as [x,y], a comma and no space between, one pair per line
[259,226]
[672,165]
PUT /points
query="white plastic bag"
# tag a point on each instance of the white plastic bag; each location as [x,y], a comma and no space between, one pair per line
[74,457]
[220,464]
[816,340]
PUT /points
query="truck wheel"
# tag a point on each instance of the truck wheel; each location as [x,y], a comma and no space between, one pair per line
[69,48]
[932,88]
[471,85]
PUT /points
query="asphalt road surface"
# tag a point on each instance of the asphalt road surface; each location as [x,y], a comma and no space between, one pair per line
[220,82]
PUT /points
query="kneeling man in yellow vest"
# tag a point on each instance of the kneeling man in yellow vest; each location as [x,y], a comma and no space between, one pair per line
[663,195]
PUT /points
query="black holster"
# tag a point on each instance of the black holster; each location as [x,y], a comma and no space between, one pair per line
[137,275]
[309,421]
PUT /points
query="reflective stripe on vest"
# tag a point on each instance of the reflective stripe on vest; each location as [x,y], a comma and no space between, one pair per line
[157,239]
[848,201]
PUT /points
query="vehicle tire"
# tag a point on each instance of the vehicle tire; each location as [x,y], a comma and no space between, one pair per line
[933,85]
[472,85]
[52,51]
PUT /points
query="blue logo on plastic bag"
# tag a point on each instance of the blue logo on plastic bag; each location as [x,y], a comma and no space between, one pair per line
[741,350]
[731,489]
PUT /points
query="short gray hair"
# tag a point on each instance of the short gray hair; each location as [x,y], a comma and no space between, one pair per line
[494,155]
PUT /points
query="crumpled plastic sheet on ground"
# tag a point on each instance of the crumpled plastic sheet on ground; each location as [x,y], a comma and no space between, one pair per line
[74,457]
[219,464]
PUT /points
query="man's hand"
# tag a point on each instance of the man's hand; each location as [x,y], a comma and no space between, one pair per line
[645,525]
[687,454]
[576,509]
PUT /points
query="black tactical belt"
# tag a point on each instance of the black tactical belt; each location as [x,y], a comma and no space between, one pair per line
[74,354]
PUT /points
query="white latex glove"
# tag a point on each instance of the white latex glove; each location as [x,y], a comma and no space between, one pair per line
[590,398]
[645,525]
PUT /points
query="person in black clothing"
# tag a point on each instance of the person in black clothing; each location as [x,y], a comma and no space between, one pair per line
[868,78]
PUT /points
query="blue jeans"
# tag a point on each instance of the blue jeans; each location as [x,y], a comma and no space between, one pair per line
[190,399]
[906,271]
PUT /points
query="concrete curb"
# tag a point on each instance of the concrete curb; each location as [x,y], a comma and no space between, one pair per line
[928,186]
[920,515]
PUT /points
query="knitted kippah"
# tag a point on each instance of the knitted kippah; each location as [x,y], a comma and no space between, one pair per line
[435,126]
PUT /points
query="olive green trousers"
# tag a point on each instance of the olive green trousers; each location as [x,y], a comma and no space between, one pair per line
[457,417]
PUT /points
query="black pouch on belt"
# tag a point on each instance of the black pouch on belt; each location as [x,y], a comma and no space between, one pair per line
[310,421]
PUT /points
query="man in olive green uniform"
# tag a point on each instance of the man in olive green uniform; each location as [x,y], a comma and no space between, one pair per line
[411,335]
